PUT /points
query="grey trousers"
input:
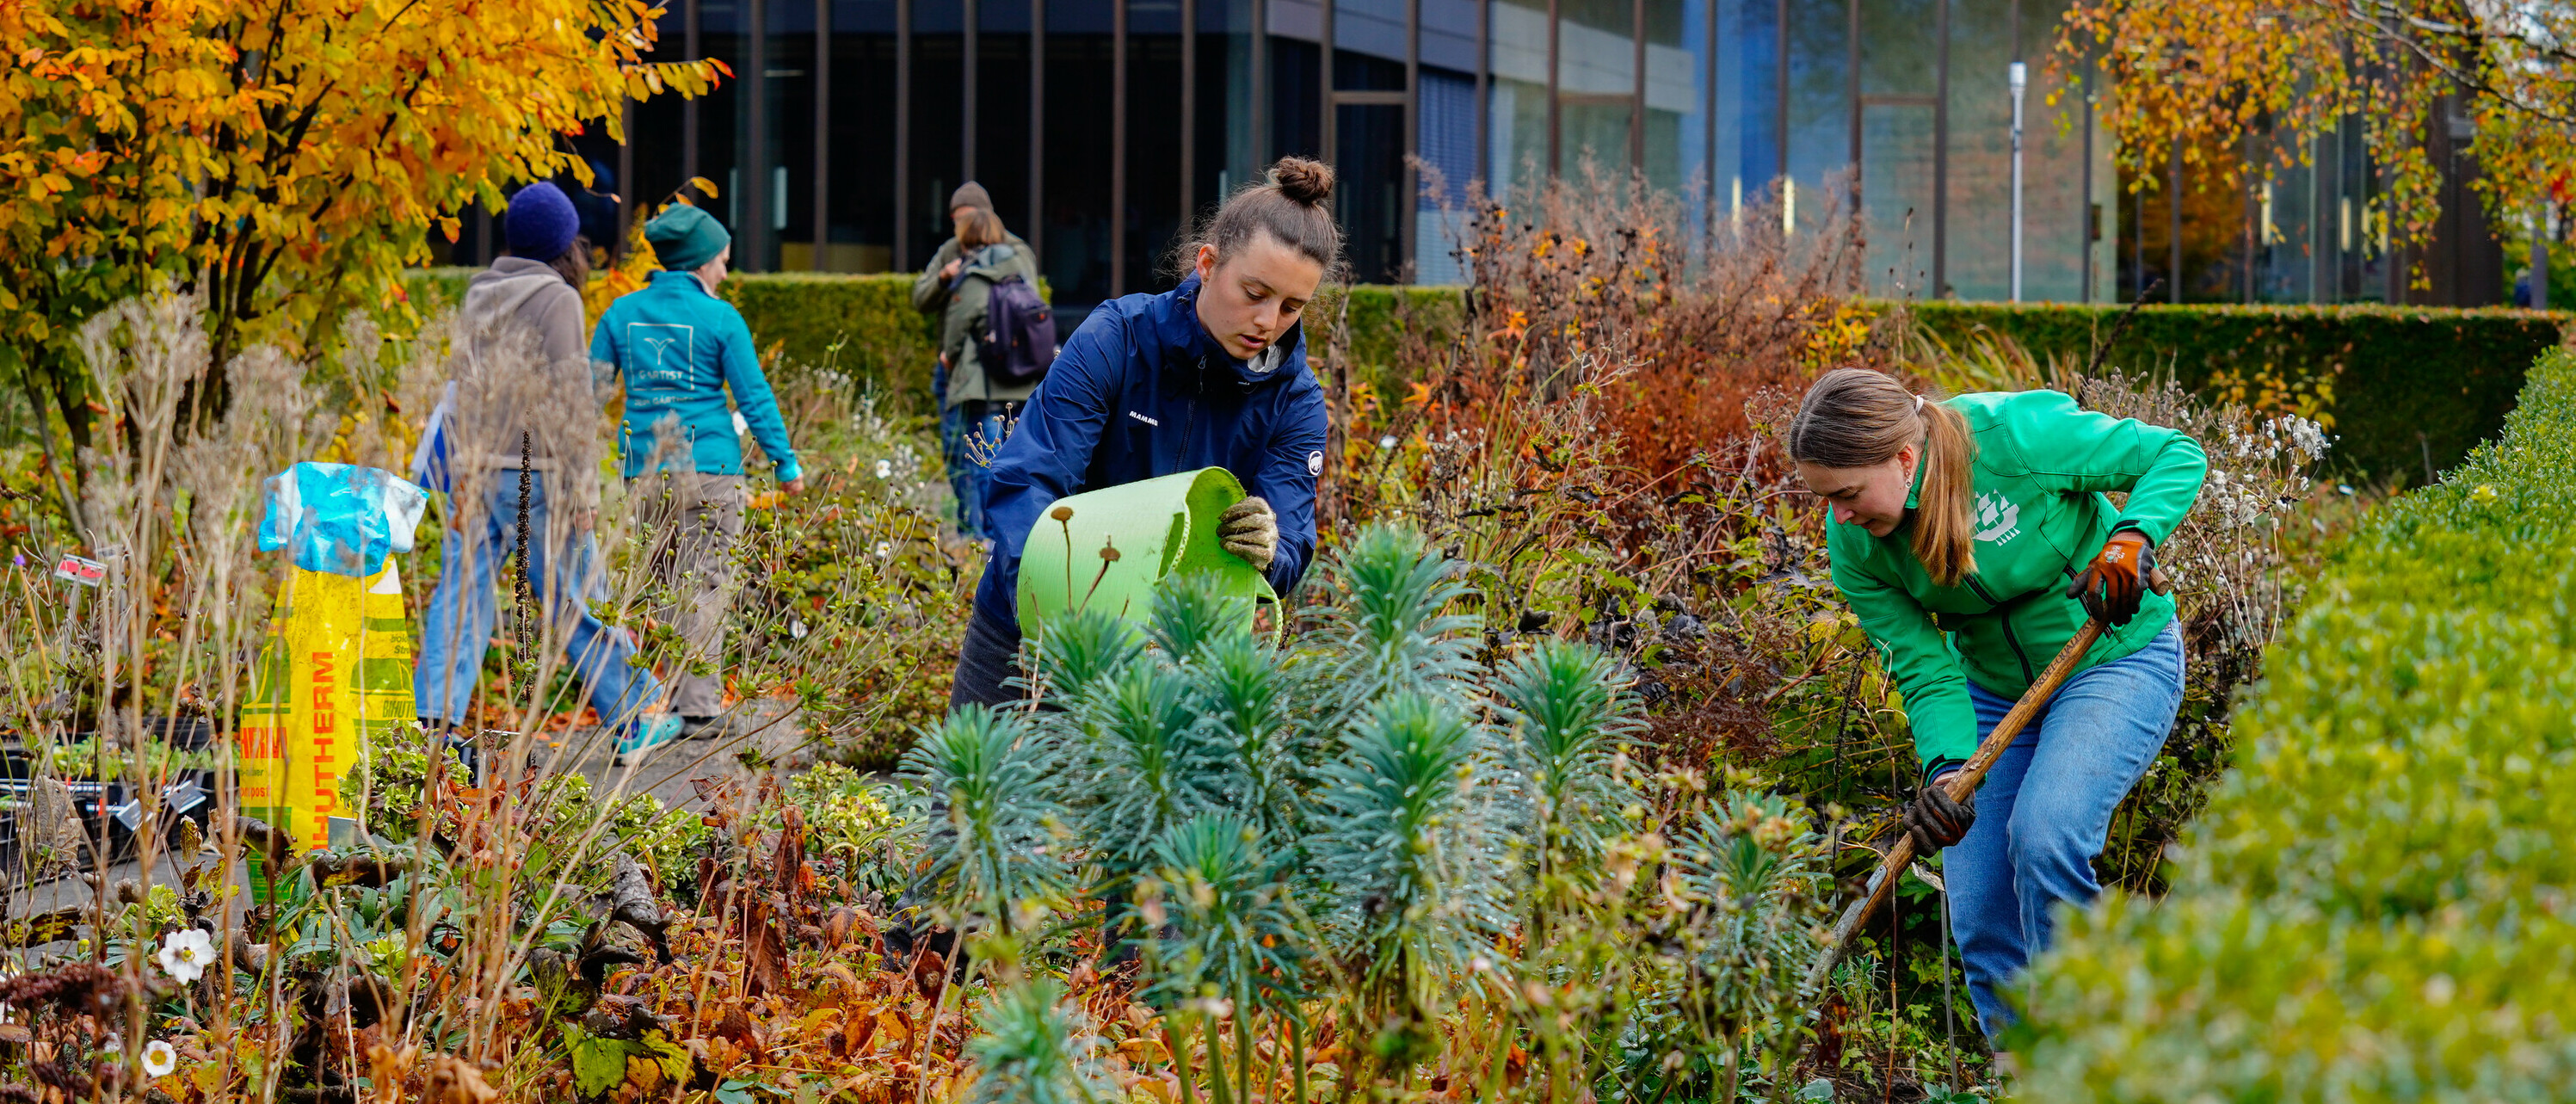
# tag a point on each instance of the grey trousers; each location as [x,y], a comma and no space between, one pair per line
[691,522]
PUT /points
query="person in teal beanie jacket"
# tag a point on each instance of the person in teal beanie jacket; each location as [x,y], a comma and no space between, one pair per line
[680,351]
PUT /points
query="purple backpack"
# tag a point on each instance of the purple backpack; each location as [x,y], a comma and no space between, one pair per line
[1018,342]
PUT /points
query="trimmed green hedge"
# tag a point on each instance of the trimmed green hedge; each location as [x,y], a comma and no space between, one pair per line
[885,341]
[2394,372]
[2380,902]
[801,314]
[1380,317]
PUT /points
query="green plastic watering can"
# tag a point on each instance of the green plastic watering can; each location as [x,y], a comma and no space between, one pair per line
[1107,549]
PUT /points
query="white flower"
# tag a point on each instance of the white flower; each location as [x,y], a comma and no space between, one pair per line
[2307,437]
[1386,442]
[159,1058]
[885,550]
[885,469]
[185,954]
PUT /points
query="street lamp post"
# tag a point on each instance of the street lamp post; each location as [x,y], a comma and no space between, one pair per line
[2540,258]
[2019,80]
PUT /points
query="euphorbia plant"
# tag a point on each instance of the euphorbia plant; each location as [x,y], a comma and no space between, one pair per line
[1340,842]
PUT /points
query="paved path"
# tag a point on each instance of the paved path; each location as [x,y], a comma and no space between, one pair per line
[768,728]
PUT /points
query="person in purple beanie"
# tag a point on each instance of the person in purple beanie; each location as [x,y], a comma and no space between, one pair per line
[525,397]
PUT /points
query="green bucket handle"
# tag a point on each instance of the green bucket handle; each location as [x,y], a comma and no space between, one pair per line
[1108,549]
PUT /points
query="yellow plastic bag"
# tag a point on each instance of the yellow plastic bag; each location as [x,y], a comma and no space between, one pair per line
[335,673]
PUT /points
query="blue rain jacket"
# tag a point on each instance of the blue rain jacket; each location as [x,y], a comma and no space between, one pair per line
[1142,390]
[679,350]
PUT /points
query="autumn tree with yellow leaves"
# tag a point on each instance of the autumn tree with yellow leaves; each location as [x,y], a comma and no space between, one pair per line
[2204,75]
[283,159]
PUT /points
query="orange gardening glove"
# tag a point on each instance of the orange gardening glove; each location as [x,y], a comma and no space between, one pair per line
[2117,580]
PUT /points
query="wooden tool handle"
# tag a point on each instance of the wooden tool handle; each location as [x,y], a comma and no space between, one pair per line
[1962,783]
[1959,785]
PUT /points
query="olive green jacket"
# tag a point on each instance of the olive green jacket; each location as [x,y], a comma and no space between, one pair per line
[964,318]
[2043,467]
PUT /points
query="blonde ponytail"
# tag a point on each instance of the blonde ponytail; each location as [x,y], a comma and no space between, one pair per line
[1858,418]
[1945,527]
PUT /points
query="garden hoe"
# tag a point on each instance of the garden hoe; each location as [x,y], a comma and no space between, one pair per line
[1960,785]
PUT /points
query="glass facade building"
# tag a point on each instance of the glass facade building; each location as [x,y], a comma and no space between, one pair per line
[1100,126]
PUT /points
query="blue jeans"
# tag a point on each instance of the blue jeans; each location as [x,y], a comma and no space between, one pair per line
[2045,810]
[969,433]
[458,626]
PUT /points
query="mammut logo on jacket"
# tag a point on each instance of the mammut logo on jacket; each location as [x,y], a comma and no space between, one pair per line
[1148,421]
[1998,518]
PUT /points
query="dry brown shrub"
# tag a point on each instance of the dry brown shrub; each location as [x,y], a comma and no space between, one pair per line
[1594,438]
[1694,321]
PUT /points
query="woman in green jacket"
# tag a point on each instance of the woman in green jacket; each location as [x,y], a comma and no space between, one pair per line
[979,408]
[1957,527]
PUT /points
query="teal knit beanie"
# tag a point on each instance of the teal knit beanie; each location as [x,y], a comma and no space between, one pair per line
[685,237]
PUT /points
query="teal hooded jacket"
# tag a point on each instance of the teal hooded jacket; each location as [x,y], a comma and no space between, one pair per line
[680,349]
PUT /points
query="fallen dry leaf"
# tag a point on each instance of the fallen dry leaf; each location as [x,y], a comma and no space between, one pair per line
[453,1080]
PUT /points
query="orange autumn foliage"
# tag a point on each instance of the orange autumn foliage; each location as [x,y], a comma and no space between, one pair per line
[281,158]
[2235,88]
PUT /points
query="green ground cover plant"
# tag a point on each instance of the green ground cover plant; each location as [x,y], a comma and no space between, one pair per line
[2375,904]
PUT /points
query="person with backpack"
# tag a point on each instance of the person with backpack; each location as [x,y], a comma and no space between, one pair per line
[523,394]
[682,352]
[964,448]
[995,341]
[1209,374]
[930,289]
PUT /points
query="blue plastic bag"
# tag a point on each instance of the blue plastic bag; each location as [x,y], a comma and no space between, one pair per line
[340,518]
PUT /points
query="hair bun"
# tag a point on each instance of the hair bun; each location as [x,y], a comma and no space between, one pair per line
[1303,180]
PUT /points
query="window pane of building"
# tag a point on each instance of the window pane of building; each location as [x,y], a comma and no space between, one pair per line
[1722,101]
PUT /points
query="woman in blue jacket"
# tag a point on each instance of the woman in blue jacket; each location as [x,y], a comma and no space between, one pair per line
[1209,374]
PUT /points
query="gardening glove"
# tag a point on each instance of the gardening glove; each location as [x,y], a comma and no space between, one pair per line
[1251,531]
[2111,588]
[1935,821]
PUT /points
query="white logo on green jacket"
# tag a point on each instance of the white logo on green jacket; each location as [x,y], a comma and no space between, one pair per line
[1998,518]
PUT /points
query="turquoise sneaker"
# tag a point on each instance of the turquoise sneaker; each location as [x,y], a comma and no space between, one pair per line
[650,731]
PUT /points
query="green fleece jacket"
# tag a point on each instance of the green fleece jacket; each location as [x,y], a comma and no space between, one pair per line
[2044,468]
